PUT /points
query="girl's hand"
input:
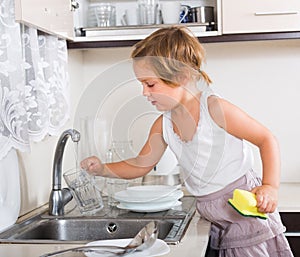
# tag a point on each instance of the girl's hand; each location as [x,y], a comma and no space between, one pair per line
[266,197]
[92,165]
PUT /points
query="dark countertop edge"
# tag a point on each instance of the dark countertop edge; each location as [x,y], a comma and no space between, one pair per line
[209,39]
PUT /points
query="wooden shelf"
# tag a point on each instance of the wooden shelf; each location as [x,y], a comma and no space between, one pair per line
[209,39]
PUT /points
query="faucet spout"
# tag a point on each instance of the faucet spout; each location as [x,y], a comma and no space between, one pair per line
[60,197]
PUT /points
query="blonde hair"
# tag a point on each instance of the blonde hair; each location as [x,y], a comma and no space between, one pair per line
[173,50]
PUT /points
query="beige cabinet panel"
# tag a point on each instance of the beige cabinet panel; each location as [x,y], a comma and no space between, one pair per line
[54,16]
[248,16]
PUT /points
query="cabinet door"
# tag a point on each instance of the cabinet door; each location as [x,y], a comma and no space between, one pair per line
[52,16]
[292,222]
[246,16]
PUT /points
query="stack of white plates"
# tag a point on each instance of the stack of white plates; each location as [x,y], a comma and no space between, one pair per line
[152,198]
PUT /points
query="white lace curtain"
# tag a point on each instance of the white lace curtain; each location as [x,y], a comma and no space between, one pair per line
[34,83]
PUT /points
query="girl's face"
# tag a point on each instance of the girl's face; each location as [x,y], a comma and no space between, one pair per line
[163,96]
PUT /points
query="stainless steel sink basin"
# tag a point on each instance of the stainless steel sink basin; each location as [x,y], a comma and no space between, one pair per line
[75,229]
[79,230]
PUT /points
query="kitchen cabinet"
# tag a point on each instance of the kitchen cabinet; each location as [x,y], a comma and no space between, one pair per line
[243,20]
[63,18]
[52,16]
[292,222]
[250,16]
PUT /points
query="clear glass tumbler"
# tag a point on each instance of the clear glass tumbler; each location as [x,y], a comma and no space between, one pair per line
[115,185]
[86,195]
[105,14]
[147,12]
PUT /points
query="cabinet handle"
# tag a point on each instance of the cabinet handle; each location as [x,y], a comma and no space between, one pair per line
[275,13]
[292,234]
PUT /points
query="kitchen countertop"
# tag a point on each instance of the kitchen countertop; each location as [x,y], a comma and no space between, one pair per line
[289,197]
[193,244]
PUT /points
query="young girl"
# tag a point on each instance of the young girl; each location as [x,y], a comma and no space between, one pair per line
[207,134]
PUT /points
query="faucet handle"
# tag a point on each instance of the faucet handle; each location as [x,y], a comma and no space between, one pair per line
[66,195]
[58,199]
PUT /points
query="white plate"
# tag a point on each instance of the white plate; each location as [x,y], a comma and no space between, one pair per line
[152,189]
[158,202]
[159,248]
[131,197]
[148,205]
[151,208]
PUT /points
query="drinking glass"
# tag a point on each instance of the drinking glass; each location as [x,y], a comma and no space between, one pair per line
[105,14]
[86,195]
[148,11]
[115,185]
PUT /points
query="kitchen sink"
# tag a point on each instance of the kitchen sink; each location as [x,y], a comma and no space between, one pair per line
[79,230]
[110,223]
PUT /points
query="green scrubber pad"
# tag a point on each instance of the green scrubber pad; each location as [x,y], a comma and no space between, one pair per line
[245,203]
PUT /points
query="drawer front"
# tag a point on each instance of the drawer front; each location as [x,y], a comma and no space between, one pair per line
[249,16]
[292,221]
[294,243]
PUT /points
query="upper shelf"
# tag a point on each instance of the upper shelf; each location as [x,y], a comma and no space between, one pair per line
[204,39]
[246,20]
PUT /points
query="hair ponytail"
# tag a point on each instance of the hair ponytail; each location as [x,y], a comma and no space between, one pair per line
[205,77]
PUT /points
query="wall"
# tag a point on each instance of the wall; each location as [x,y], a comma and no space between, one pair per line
[260,77]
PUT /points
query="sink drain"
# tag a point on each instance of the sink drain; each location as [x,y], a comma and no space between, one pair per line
[111,227]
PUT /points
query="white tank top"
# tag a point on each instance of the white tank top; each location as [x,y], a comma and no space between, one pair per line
[213,158]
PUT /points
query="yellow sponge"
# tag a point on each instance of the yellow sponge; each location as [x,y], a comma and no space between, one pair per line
[245,203]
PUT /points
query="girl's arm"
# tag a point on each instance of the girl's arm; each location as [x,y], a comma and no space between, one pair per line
[134,167]
[239,124]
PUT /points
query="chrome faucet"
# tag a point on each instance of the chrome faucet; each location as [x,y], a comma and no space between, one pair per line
[59,197]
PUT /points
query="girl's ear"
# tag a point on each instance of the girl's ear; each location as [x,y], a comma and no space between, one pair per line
[183,79]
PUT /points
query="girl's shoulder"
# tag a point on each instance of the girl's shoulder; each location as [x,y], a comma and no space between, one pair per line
[209,92]
[157,125]
[213,104]
[209,98]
